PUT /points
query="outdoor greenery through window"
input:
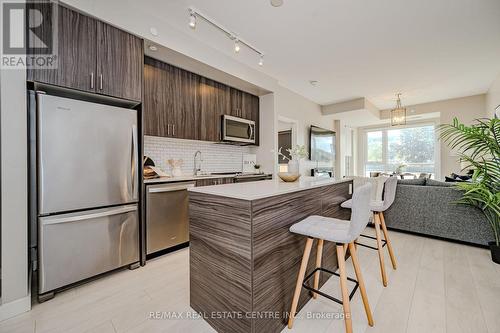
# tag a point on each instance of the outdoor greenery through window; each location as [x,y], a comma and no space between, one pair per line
[412,147]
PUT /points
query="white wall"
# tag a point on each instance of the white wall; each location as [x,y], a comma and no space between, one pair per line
[306,113]
[14,205]
[493,97]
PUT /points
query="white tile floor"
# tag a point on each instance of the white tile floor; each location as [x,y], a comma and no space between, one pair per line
[438,287]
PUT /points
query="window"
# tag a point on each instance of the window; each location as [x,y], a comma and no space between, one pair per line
[413,147]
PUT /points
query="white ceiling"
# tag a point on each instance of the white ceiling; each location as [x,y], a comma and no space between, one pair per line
[427,49]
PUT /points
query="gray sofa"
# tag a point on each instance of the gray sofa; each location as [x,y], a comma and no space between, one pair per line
[427,207]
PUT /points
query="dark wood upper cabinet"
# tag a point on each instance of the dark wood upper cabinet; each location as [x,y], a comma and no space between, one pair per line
[170,101]
[76,52]
[93,56]
[156,120]
[184,92]
[243,105]
[119,63]
[254,107]
[181,104]
[236,103]
[214,102]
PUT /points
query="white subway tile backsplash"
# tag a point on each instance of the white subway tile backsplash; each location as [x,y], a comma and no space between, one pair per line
[216,157]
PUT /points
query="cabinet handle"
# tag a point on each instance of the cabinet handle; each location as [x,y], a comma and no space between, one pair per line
[100,81]
[168,129]
[92,80]
[173,130]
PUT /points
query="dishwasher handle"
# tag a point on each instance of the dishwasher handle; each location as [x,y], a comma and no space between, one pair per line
[170,188]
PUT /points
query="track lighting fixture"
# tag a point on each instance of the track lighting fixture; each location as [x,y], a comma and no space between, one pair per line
[195,15]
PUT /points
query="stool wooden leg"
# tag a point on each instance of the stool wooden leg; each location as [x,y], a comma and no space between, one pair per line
[319,254]
[389,245]
[300,280]
[343,287]
[364,296]
[376,219]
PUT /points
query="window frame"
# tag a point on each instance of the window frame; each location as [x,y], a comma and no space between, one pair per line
[385,129]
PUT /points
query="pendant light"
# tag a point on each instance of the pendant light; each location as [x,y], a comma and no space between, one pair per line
[398,115]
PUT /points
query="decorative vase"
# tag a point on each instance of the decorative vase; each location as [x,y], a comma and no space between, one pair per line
[293,166]
[176,171]
[495,252]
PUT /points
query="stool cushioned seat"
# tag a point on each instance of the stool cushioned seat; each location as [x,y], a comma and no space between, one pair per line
[326,228]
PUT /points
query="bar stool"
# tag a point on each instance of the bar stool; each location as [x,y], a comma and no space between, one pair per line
[379,221]
[341,232]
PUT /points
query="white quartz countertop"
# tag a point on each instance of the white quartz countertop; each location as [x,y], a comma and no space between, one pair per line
[265,188]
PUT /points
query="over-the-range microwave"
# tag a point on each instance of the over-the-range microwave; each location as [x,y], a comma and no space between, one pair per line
[238,130]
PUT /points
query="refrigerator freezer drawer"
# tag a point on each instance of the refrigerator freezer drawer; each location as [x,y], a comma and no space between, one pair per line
[76,246]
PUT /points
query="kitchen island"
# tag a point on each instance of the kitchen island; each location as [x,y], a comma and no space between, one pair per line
[243,260]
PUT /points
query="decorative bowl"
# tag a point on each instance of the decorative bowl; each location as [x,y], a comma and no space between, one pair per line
[288,177]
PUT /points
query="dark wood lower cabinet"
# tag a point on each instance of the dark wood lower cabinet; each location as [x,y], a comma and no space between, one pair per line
[214,181]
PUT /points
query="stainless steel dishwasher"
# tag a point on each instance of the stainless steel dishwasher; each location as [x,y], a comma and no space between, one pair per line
[167,218]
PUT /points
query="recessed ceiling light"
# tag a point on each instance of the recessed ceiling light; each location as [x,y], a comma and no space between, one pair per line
[314,83]
[276,3]
[153,48]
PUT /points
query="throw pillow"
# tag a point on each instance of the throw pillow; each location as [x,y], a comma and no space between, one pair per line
[432,182]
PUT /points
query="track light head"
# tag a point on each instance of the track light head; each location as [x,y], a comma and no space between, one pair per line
[261,60]
[192,21]
[236,46]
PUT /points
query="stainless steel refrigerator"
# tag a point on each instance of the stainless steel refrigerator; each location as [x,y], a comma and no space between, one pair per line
[87,189]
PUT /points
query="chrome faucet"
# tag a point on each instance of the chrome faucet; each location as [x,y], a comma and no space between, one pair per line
[197,170]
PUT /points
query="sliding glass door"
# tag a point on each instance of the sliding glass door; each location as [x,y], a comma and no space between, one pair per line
[410,150]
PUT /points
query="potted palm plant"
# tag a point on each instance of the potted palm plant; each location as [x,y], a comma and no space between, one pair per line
[479,146]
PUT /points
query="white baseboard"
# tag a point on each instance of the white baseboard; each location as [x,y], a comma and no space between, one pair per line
[14,308]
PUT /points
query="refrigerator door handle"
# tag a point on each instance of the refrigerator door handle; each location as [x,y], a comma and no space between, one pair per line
[135,166]
[74,217]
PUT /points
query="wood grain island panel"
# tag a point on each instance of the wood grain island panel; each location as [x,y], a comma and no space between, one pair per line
[244,261]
